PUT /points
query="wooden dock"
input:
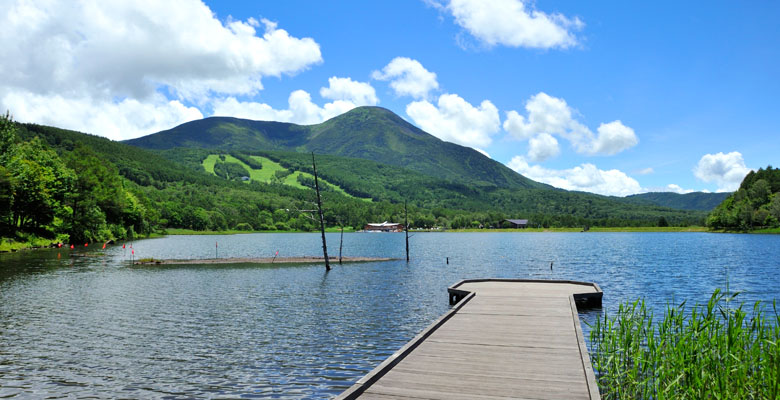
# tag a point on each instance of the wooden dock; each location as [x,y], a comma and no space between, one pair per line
[502,339]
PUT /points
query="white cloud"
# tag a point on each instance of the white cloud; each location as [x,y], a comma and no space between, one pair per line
[542,147]
[112,54]
[677,189]
[551,115]
[646,171]
[513,23]
[726,170]
[455,120]
[485,153]
[121,120]
[585,177]
[613,138]
[408,78]
[301,110]
[358,93]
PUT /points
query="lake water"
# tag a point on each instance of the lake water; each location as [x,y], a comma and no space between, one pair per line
[96,326]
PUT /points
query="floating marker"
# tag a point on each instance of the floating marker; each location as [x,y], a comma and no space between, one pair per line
[71,246]
[86,244]
[104,246]
[123,245]
[59,245]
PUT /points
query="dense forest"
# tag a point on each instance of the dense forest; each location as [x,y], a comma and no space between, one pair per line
[73,187]
[755,205]
[72,195]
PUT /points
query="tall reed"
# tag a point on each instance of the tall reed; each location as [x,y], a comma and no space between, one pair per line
[711,352]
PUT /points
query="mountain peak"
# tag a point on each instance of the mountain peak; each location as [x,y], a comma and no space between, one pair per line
[368,132]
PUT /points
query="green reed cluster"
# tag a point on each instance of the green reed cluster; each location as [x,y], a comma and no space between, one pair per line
[707,352]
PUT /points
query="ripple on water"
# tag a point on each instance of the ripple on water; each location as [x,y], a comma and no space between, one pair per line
[93,326]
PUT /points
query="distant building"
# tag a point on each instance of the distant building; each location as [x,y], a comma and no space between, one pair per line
[384,227]
[518,223]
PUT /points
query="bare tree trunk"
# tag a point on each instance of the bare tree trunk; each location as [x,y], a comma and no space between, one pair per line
[322,219]
[406,229]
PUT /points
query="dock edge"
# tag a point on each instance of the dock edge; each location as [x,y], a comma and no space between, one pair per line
[458,298]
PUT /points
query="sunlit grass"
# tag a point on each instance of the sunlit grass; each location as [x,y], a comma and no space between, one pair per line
[266,174]
[707,352]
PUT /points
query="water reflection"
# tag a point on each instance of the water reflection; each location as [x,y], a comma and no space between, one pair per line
[96,326]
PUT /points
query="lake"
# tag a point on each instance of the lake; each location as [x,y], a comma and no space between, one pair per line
[96,326]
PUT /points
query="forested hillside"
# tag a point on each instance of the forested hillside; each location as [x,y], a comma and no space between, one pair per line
[369,133]
[74,187]
[688,201]
[755,205]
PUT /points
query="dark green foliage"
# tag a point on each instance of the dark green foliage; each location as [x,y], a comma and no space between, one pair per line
[101,206]
[40,183]
[280,175]
[755,205]
[76,192]
[7,136]
[251,162]
[770,175]
[230,171]
[6,200]
[309,183]
[690,201]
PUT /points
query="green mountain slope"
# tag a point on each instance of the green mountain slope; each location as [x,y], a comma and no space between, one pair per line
[370,133]
[690,201]
[177,192]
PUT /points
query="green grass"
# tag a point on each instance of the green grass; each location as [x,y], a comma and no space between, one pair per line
[210,162]
[270,167]
[767,230]
[27,241]
[266,174]
[708,352]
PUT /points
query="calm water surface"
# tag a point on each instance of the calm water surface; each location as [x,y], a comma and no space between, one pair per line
[97,327]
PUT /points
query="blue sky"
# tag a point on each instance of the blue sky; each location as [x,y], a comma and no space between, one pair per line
[609,97]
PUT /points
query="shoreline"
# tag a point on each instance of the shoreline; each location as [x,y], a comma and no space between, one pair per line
[8,246]
[178,232]
[262,260]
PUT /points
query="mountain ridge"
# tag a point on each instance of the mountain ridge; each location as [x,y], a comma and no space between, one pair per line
[371,133]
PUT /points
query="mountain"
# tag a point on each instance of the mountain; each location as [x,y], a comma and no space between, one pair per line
[690,201]
[177,191]
[370,133]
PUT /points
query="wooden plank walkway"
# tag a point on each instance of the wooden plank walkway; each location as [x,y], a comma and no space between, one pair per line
[503,338]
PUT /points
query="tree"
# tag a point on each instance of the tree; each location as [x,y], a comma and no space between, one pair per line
[662,222]
[759,192]
[97,197]
[7,136]
[41,182]
[6,199]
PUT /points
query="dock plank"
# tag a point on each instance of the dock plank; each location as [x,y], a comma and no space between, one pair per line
[505,339]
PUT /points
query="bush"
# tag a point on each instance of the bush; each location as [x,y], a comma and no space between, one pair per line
[243,226]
